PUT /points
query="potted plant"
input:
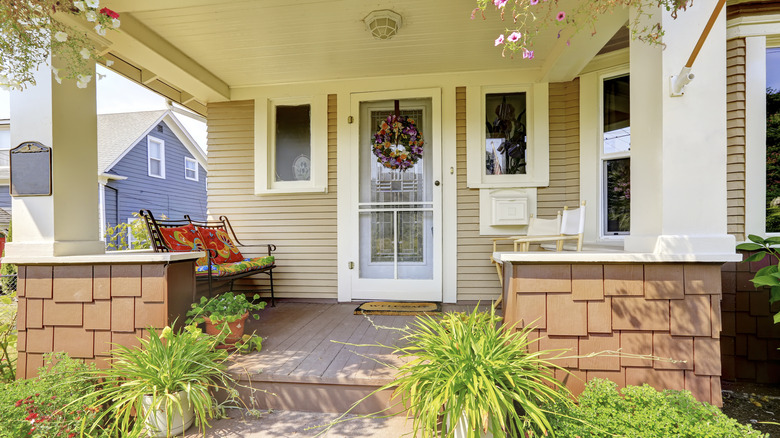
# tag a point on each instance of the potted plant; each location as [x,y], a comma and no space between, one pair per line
[225,313]
[474,377]
[163,387]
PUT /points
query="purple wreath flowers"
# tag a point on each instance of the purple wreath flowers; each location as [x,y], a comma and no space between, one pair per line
[398,144]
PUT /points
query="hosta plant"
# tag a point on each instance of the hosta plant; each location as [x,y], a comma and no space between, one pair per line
[768,275]
[470,365]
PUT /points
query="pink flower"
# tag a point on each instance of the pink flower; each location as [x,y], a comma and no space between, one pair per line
[561,15]
[528,54]
[499,40]
[533,2]
[514,37]
[499,3]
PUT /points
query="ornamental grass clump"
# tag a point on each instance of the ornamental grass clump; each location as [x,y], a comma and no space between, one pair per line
[470,365]
[166,364]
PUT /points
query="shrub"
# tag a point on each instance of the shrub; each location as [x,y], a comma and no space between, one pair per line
[54,404]
[642,412]
[8,337]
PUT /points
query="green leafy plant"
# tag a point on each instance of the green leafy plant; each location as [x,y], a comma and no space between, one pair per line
[166,364]
[117,236]
[224,308]
[469,364]
[8,337]
[768,275]
[8,271]
[642,412]
[53,404]
[527,18]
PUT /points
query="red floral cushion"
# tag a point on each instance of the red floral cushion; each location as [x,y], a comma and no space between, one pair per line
[219,240]
[184,239]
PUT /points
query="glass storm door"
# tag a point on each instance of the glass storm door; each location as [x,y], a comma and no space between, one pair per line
[398,212]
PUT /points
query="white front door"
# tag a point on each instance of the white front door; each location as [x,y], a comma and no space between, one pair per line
[397,214]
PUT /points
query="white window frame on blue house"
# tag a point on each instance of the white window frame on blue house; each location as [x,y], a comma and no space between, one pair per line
[150,140]
[190,165]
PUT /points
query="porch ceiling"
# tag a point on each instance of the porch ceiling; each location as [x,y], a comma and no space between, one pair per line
[250,43]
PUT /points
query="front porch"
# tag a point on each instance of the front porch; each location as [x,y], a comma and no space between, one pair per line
[312,359]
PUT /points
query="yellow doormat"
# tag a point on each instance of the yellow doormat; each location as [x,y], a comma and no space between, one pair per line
[397,308]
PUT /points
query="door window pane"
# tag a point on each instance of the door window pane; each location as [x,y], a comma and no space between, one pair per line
[293,143]
[773,140]
[505,134]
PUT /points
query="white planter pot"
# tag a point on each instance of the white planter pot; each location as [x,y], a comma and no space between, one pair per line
[156,421]
[462,428]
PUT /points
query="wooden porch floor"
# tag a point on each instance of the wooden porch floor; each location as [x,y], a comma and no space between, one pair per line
[307,371]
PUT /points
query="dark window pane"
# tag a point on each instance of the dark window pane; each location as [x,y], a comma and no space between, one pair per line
[293,143]
[505,134]
[618,195]
[773,141]
[617,115]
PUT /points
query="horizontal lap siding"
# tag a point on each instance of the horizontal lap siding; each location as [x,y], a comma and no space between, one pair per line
[303,227]
[477,278]
[735,54]
[564,188]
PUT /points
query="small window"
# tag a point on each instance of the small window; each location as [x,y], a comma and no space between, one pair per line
[292,145]
[773,140]
[156,153]
[190,169]
[505,134]
[615,156]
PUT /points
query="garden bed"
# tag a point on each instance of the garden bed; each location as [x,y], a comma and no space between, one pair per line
[753,404]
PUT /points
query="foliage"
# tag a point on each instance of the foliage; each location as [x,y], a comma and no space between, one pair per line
[32,30]
[527,18]
[619,193]
[53,404]
[772,160]
[8,271]
[465,363]
[643,412]
[166,364]
[768,275]
[227,307]
[116,237]
[8,337]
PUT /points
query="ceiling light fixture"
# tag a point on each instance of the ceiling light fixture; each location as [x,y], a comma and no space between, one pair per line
[383,24]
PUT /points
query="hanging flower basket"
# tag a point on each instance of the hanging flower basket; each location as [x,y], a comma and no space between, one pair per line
[398,144]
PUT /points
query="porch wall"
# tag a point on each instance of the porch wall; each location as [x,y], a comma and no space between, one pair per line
[750,339]
[302,226]
[477,278]
[669,310]
[735,110]
[82,309]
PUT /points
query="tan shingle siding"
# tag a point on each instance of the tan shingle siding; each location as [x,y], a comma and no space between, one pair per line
[735,122]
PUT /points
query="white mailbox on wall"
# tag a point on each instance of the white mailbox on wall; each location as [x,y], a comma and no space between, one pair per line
[505,211]
[509,210]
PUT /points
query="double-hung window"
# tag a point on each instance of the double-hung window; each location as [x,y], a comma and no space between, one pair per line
[615,156]
[156,157]
[190,169]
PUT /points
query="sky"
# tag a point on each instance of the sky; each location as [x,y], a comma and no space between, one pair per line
[773,68]
[116,94]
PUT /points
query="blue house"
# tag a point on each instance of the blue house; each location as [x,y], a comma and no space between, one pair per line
[148,160]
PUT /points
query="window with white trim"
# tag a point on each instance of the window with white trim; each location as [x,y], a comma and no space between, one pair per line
[773,140]
[292,156]
[156,156]
[615,156]
[190,169]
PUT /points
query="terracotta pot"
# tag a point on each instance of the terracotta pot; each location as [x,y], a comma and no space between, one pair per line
[236,328]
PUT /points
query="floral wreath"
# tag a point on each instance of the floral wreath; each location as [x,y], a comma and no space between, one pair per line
[398,144]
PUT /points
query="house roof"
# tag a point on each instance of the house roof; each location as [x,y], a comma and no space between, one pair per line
[118,133]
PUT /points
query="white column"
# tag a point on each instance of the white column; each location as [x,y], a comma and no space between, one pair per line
[678,144]
[64,118]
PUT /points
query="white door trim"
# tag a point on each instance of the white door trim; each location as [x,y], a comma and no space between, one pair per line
[348,191]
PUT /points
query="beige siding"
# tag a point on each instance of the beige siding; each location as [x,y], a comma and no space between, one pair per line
[477,279]
[302,226]
[735,111]
[564,188]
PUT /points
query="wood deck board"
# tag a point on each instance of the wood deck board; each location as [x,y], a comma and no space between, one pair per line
[326,352]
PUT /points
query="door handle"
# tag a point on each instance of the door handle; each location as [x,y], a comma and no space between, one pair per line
[436,183]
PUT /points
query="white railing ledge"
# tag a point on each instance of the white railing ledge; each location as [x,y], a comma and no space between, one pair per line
[111,257]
